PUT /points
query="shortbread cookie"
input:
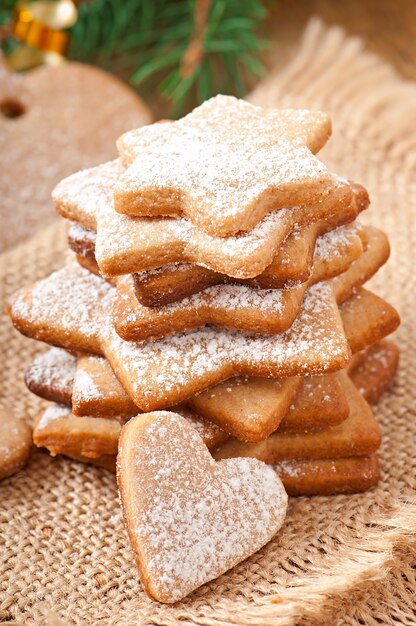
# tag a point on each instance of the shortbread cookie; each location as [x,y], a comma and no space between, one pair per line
[96,391]
[240,307]
[292,265]
[224,166]
[107,461]
[358,435]
[326,477]
[247,408]
[374,374]
[89,263]
[316,477]
[318,402]
[321,402]
[166,372]
[125,245]
[357,359]
[190,519]
[367,319]
[259,402]
[82,242]
[61,432]
[16,442]
[69,309]
[51,376]
[361,270]
[177,367]
[306,477]
[251,409]
[309,480]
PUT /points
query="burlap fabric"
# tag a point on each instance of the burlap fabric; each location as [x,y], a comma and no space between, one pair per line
[65,557]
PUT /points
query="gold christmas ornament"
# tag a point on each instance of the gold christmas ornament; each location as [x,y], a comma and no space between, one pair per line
[41,26]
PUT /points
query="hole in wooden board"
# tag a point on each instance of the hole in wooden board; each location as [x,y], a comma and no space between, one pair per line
[11,108]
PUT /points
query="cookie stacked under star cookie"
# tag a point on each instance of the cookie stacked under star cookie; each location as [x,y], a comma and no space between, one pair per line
[216,271]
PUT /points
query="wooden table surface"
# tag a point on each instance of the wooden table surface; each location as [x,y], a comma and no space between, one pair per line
[387,26]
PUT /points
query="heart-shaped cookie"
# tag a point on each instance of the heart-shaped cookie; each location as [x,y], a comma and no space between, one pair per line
[189,518]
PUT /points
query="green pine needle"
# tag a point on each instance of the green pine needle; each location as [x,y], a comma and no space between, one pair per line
[146,40]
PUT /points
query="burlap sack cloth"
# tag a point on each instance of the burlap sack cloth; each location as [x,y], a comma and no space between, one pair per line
[65,558]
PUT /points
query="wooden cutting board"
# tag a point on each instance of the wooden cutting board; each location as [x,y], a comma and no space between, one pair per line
[55,121]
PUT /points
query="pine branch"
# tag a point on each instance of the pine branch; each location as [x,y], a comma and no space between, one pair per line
[146,41]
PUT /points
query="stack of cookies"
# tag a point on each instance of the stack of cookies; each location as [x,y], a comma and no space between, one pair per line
[215,270]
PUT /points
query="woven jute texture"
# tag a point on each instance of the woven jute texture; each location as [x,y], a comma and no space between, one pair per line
[65,558]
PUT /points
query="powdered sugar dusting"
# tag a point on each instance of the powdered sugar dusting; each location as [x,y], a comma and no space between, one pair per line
[210,433]
[213,305]
[126,245]
[79,196]
[206,356]
[221,160]
[54,368]
[52,413]
[85,383]
[178,267]
[72,296]
[80,239]
[335,242]
[80,303]
[217,514]
[289,468]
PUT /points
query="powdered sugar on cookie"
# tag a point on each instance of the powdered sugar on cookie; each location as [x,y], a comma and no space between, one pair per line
[51,414]
[225,165]
[164,372]
[51,368]
[78,197]
[335,242]
[189,362]
[216,515]
[126,245]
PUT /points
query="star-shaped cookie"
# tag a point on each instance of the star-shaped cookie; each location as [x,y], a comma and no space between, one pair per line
[72,309]
[225,165]
[125,244]
[241,307]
